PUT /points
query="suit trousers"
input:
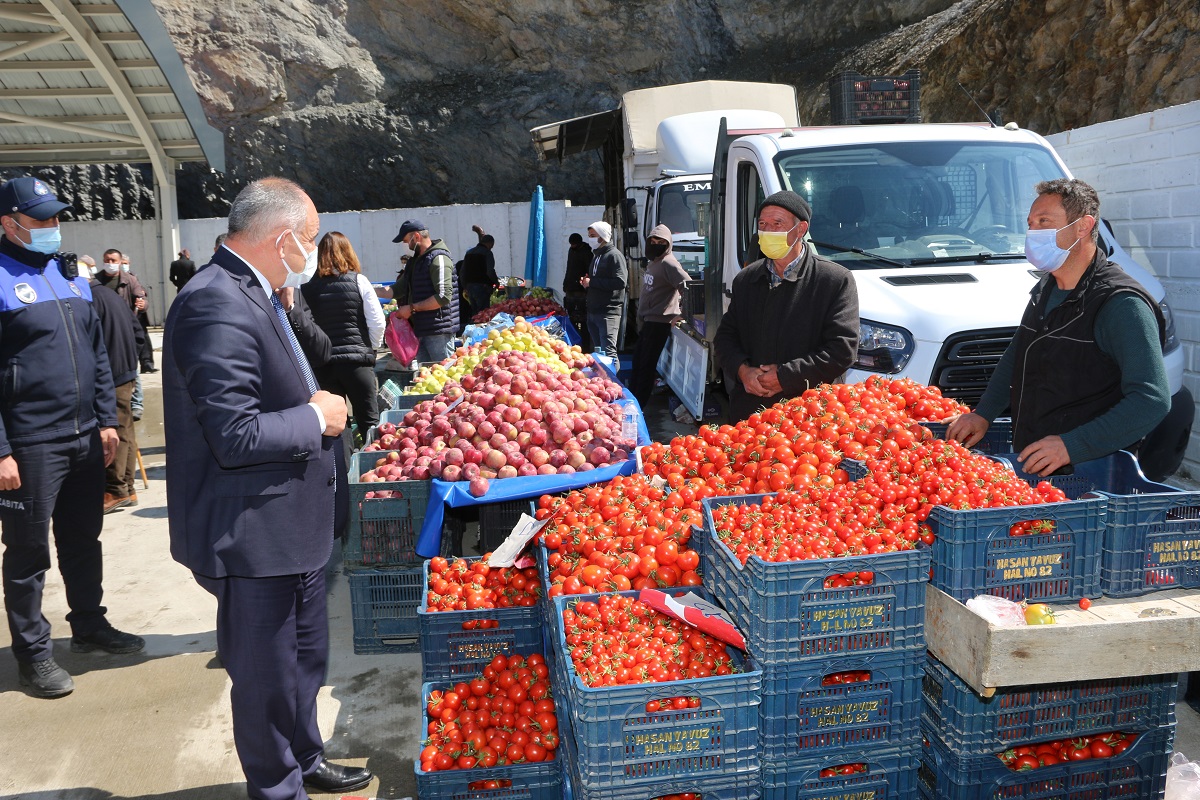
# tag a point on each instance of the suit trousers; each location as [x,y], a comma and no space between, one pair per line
[273,636]
[146,349]
[118,476]
[61,482]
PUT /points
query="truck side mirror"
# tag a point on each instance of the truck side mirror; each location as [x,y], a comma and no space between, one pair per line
[629,215]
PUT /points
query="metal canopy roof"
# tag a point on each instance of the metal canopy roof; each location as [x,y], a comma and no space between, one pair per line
[93,82]
[571,136]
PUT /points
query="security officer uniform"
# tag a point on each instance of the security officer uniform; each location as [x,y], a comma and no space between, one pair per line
[56,393]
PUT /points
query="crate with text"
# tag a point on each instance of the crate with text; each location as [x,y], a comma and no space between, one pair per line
[457,644]
[971,725]
[815,707]
[817,608]
[640,734]
[1140,771]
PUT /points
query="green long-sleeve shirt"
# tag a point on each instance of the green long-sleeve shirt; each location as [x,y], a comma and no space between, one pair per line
[1127,332]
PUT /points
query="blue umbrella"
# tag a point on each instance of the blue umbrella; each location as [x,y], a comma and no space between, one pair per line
[535,250]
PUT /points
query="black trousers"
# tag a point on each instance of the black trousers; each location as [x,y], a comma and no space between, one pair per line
[355,382]
[63,483]
[146,350]
[273,637]
[651,341]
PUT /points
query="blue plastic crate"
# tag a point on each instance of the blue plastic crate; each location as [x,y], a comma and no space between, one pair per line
[619,744]
[1151,530]
[971,725]
[998,438]
[739,786]
[787,614]
[452,649]
[1139,772]
[383,606]
[973,552]
[383,531]
[800,717]
[535,781]
[891,775]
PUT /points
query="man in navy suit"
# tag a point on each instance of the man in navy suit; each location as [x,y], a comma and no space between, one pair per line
[251,482]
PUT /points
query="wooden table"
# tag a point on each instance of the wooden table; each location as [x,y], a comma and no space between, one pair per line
[1117,637]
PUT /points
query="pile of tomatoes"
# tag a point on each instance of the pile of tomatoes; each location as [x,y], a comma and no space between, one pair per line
[844,769]
[625,534]
[850,676]
[471,585]
[1081,748]
[505,716]
[620,640]
[673,704]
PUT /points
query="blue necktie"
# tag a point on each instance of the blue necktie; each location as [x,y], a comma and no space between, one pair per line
[309,380]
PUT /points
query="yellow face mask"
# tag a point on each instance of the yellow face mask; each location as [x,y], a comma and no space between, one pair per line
[774,244]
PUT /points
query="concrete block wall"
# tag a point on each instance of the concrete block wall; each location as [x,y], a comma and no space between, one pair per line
[1147,171]
[370,232]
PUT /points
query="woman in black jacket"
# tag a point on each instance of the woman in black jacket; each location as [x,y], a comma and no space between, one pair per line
[344,305]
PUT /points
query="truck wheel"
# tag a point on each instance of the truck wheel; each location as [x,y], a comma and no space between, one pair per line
[1162,450]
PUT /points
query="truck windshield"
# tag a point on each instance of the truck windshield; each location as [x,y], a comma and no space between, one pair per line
[677,205]
[918,202]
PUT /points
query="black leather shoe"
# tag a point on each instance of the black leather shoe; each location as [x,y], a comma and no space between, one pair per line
[45,678]
[333,778]
[108,639]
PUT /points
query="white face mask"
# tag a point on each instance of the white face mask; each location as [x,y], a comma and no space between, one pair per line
[295,279]
[1042,250]
[111,269]
[124,268]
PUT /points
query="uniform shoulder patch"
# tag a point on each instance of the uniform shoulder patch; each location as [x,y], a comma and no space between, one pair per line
[25,293]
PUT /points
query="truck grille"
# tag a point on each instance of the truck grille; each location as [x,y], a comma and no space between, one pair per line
[967,361]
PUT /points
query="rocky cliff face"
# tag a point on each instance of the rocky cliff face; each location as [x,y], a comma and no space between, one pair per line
[377,103]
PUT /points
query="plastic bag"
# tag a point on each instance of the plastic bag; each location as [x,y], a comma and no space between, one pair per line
[401,339]
[1183,778]
[998,611]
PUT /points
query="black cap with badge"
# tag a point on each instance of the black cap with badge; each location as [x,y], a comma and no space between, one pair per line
[31,197]
[410,226]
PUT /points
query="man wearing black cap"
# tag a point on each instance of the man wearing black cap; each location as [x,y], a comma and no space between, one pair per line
[792,320]
[426,291]
[58,419]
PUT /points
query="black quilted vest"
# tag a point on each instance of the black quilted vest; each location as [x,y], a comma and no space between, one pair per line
[337,307]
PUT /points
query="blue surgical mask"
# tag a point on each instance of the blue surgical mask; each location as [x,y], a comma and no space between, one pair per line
[1042,250]
[42,240]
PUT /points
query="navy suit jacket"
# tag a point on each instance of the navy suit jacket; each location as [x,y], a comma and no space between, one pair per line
[250,489]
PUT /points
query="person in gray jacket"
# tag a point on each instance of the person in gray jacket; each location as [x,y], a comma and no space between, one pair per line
[660,306]
[605,284]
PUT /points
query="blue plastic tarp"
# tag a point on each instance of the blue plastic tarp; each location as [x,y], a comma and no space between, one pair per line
[535,252]
[456,493]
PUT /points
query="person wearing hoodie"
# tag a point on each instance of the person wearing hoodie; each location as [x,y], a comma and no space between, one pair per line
[661,305]
[605,285]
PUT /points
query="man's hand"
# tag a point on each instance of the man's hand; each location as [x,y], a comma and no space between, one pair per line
[749,375]
[477,229]
[334,408]
[584,281]
[405,311]
[109,441]
[140,304]
[967,428]
[768,379]
[10,476]
[1044,456]
[286,297]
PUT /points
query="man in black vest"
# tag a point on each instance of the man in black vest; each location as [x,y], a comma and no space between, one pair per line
[1084,376]
[426,292]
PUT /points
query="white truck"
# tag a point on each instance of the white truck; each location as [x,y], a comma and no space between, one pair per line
[931,219]
[657,149]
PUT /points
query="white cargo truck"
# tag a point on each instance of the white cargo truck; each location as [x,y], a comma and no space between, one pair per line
[931,220]
[657,152]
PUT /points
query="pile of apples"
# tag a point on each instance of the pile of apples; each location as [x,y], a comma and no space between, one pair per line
[530,306]
[512,416]
[523,337]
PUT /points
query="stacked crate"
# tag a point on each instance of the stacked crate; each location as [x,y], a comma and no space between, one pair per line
[842,666]
[614,749]
[965,735]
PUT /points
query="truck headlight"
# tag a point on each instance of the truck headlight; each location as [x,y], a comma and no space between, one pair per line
[883,348]
[1172,341]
